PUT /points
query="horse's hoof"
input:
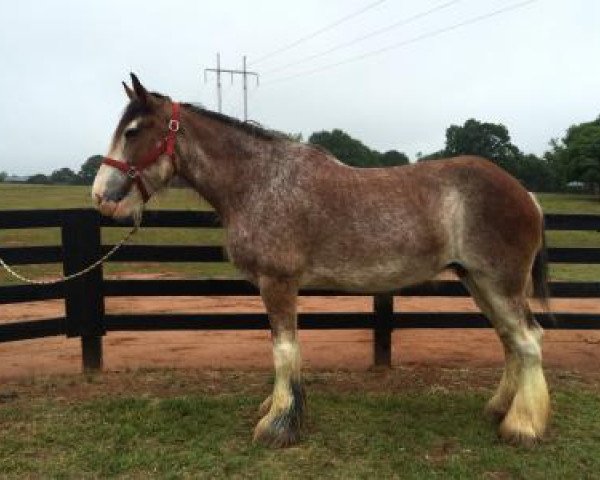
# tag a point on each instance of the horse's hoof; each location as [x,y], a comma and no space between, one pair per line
[524,437]
[495,413]
[280,427]
[525,423]
[277,432]
[265,406]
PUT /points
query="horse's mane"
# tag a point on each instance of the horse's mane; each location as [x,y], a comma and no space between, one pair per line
[136,108]
[251,128]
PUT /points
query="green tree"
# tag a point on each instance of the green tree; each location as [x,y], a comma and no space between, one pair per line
[355,153]
[577,156]
[347,149]
[536,174]
[393,158]
[39,179]
[88,170]
[64,176]
[3,176]
[490,140]
[556,158]
[432,156]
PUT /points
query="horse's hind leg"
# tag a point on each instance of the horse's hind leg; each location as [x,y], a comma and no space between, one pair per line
[521,402]
[283,410]
[499,404]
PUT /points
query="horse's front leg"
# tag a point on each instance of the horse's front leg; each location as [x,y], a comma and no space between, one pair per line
[284,408]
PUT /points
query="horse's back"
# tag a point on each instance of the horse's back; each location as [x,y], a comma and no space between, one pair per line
[405,224]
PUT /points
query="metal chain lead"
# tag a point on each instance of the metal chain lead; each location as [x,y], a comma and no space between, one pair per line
[75,275]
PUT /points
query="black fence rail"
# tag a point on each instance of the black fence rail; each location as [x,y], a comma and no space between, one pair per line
[84,297]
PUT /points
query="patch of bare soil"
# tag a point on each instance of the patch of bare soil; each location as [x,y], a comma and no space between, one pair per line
[168,383]
[350,350]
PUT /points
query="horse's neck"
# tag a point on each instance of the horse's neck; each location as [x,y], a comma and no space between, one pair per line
[226,166]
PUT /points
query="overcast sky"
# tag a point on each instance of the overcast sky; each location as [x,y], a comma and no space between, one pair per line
[536,69]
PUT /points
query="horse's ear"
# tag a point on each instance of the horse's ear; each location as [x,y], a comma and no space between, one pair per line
[130,93]
[138,88]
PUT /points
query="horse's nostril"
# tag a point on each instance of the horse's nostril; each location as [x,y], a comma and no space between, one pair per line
[114,196]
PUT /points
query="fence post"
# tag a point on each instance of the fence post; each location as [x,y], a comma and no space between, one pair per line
[383,306]
[84,298]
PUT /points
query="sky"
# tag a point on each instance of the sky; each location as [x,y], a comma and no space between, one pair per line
[535,68]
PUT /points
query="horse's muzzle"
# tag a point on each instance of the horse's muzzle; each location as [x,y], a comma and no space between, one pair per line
[105,207]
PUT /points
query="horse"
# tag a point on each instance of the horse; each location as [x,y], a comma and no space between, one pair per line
[296,217]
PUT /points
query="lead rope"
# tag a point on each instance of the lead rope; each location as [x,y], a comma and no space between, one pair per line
[62,279]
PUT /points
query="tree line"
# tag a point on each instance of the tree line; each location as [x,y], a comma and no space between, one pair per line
[570,162]
[65,175]
[573,161]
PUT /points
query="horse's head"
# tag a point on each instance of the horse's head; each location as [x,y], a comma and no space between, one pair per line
[141,159]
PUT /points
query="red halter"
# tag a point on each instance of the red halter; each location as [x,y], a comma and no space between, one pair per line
[165,147]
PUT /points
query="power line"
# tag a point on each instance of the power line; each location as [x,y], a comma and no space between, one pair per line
[404,43]
[319,31]
[403,22]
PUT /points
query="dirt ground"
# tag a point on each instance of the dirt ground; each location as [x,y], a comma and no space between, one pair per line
[322,350]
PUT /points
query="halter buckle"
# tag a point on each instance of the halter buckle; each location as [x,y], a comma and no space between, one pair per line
[132,172]
[174,125]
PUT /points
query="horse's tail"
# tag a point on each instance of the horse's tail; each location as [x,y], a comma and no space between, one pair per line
[539,274]
[539,271]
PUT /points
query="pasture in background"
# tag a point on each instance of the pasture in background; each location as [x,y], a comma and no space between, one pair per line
[15,197]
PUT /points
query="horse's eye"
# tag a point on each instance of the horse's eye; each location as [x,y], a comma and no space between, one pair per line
[131,133]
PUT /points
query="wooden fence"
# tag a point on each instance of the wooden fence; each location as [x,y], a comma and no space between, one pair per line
[84,297]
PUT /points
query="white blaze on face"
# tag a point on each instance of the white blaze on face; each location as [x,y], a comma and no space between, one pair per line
[109,182]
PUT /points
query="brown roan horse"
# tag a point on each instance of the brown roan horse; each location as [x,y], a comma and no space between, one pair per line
[296,217]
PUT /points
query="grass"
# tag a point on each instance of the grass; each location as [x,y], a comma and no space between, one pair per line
[40,196]
[21,197]
[422,431]
[569,203]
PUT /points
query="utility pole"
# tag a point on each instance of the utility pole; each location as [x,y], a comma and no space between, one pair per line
[244,72]
[245,76]
[218,72]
